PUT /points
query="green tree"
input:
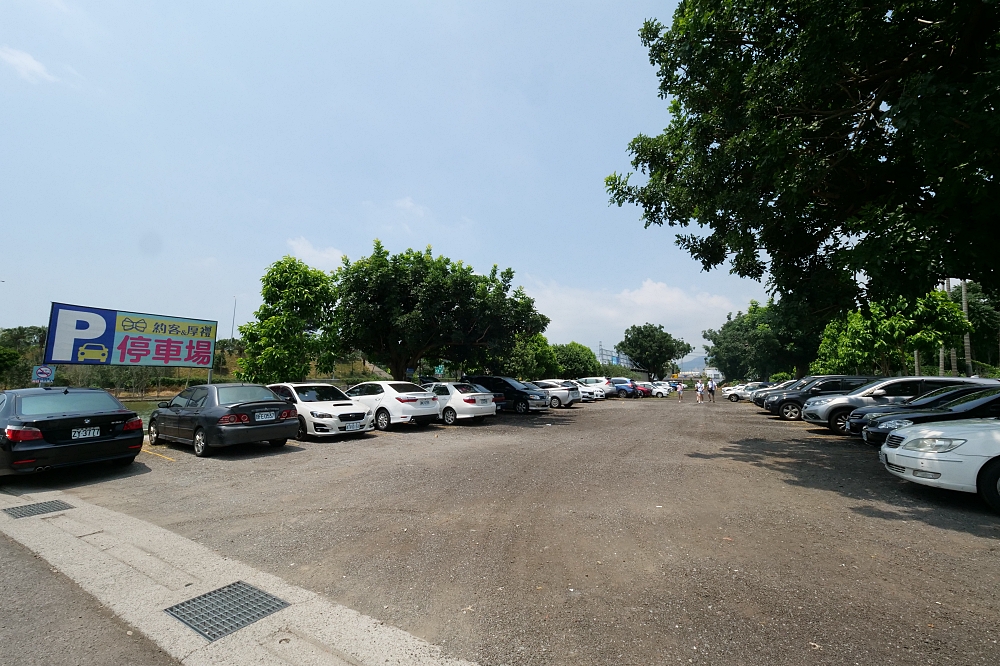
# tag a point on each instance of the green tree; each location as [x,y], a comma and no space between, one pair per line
[398,309]
[9,359]
[813,141]
[984,315]
[652,348]
[576,360]
[292,329]
[530,357]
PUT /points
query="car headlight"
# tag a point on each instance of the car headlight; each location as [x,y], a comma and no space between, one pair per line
[872,417]
[895,423]
[321,415]
[818,401]
[933,444]
[537,397]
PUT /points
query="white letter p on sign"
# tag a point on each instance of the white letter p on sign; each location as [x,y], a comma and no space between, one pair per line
[68,331]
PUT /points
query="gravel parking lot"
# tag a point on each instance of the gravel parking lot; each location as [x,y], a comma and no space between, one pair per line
[625,532]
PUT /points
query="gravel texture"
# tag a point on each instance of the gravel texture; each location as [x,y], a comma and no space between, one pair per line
[624,532]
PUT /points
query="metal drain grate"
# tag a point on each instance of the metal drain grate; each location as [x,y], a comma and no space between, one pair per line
[223,611]
[37,509]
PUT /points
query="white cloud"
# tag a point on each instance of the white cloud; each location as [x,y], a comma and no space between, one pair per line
[411,207]
[593,316]
[25,65]
[327,258]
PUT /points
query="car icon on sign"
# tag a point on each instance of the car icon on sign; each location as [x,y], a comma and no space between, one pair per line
[92,351]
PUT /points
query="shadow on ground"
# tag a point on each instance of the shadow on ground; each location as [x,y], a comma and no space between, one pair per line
[851,468]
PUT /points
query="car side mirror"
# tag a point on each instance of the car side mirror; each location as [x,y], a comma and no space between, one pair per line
[878,393]
[163,405]
[814,389]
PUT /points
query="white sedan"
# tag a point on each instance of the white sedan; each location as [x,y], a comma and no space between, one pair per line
[324,409]
[460,400]
[957,455]
[661,389]
[397,402]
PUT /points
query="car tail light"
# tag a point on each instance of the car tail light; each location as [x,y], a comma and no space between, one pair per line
[132,424]
[234,418]
[471,401]
[23,434]
[434,398]
[406,398]
[23,462]
[496,398]
[289,414]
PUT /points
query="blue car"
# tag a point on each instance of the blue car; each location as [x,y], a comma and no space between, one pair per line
[624,387]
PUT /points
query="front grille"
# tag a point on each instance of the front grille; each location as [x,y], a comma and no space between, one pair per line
[894,441]
[896,468]
[353,416]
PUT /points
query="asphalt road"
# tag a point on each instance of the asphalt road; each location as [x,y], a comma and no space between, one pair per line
[627,532]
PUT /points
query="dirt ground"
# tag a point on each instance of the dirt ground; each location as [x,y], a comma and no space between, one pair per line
[626,532]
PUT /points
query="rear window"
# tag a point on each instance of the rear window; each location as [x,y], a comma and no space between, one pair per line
[406,387]
[467,388]
[516,384]
[89,402]
[972,397]
[231,395]
[320,393]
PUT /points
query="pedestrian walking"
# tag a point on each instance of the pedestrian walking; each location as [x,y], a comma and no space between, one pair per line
[680,391]
[699,388]
[711,390]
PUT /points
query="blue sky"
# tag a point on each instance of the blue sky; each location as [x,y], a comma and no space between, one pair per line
[158,156]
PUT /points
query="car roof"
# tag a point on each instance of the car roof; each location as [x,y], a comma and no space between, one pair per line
[51,389]
[302,384]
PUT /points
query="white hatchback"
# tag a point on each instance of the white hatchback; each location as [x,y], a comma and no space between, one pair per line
[324,410]
[397,402]
[461,400]
[957,455]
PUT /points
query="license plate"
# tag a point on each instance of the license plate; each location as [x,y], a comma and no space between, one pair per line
[352,426]
[84,433]
[481,401]
[263,416]
[425,403]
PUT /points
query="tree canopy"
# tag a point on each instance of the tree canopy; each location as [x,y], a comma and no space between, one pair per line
[828,146]
[398,309]
[576,360]
[652,348]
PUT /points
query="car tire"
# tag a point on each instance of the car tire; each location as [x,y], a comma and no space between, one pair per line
[201,447]
[277,443]
[303,433]
[154,433]
[449,416]
[790,411]
[734,398]
[988,483]
[521,407]
[555,403]
[382,420]
[838,421]
[622,393]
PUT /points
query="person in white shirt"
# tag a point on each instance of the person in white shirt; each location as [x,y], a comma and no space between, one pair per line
[711,390]
[700,390]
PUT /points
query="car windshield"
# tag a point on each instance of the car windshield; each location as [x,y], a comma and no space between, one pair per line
[74,402]
[977,397]
[866,387]
[518,385]
[467,388]
[231,395]
[320,393]
[531,386]
[406,387]
[930,396]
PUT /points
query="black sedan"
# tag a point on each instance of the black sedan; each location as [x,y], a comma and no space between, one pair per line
[861,416]
[221,415]
[979,405]
[46,428]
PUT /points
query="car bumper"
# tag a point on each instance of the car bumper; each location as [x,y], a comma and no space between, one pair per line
[27,460]
[231,435]
[331,427]
[952,472]
[812,415]
[874,436]
[475,411]
[855,426]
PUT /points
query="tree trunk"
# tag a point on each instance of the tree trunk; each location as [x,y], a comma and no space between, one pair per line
[968,343]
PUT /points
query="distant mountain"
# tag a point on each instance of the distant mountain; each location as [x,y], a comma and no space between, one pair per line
[696,362]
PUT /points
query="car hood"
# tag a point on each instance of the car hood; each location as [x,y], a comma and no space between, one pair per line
[334,405]
[917,415]
[959,428]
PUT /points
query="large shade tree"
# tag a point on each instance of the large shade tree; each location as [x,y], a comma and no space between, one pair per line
[830,147]
[400,308]
[652,348]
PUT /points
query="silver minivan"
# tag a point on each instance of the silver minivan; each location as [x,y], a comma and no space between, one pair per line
[833,411]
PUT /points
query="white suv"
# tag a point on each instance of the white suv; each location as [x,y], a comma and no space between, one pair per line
[324,410]
[397,402]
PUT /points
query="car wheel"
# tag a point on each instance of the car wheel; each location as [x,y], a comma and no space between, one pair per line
[303,432]
[988,483]
[277,443]
[521,406]
[838,421]
[382,420]
[789,411]
[622,393]
[449,416]
[555,402]
[201,447]
[154,433]
[734,398]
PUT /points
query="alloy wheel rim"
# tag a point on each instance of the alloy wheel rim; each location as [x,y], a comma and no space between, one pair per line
[199,442]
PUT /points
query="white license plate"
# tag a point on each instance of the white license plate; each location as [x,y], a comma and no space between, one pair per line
[84,433]
[425,403]
[353,426]
[481,401]
[263,416]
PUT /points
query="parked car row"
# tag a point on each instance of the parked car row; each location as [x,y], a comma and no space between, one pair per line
[936,431]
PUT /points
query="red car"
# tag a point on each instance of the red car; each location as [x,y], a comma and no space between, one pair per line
[644,391]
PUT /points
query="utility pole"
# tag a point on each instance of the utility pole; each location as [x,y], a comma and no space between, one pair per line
[954,353]
[968,341]
[916,362]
